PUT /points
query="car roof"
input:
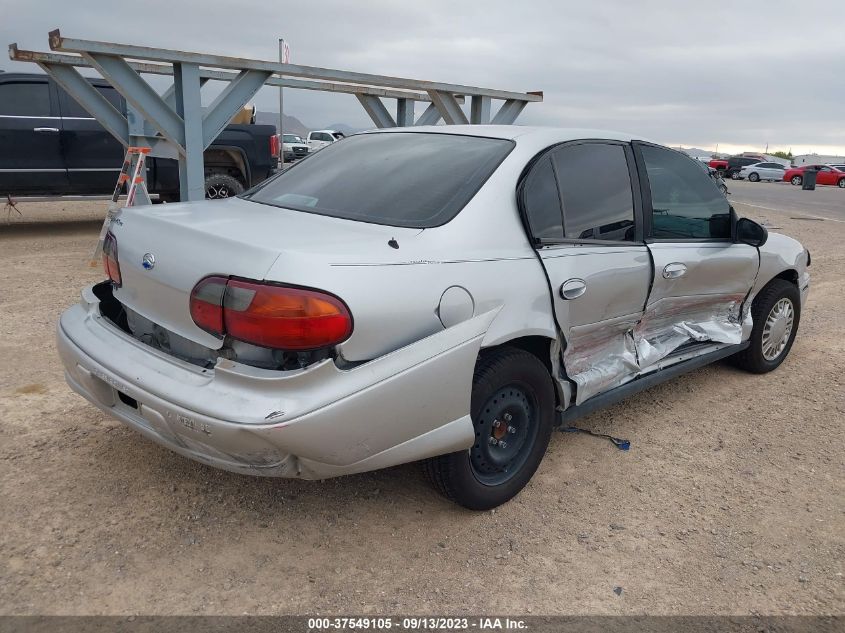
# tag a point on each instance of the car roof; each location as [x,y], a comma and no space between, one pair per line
[522,132]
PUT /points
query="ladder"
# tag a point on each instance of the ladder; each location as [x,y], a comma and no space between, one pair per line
[137,191]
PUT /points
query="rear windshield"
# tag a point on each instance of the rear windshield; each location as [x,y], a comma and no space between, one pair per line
[408,179]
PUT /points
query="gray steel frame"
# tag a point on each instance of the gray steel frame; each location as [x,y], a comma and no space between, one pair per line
[175,125]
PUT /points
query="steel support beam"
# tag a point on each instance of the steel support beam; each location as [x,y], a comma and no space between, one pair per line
[449,108]
[430,116]
[404,112]
[508,113]
[72,45]
[188,105]
[90,98]
[479,110]
[229,102]
[377,111]
[142,96]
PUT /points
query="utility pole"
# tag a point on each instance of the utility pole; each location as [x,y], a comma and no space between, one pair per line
[284,58]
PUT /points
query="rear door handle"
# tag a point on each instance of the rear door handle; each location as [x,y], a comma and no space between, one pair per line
[46,130]
[674,270]
[572,288]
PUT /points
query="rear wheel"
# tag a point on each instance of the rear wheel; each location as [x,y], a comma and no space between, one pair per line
[512,410]
[735,175]
[841,183]
[753,176]
[796,180]
[775,312]
[222,186]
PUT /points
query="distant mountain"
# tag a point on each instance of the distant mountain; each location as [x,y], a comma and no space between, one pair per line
[292,125]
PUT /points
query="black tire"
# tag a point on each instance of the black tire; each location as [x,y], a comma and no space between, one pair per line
[507,382]
[753,358]
[841,183]
[753,176]
[219,186]
[797,180]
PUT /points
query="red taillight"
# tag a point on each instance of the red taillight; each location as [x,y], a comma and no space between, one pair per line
[110,264]
[278,317]
[274,145]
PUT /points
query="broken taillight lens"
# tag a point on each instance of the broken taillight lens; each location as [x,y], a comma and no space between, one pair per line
[270,315]
[110,263]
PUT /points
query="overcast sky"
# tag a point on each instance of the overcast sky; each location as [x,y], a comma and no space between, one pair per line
[736,74]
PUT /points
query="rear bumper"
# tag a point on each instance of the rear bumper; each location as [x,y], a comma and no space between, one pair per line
[313,423]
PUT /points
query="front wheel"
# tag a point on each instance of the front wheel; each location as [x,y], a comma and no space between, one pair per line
[735,175]
[753,177]
[796,180]
[775,313]
[512,409]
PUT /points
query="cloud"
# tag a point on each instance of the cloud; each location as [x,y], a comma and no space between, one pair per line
[670,71]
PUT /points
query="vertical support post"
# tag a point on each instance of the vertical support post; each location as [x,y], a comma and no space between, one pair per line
[479,110]
[404,112]
[283,60]
[189,107]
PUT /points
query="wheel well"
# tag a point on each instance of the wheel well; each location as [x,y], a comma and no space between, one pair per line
[226,161]
[789,275]
[539,346]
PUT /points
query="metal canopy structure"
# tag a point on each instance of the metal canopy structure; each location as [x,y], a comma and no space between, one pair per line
[174,124]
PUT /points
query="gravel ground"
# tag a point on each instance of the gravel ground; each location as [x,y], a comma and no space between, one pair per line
[730,501]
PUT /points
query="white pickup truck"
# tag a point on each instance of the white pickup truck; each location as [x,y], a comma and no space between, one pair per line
[318,139]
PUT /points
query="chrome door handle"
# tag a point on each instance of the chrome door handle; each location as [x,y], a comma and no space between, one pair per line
[46,130]
[674,270]
[572,288]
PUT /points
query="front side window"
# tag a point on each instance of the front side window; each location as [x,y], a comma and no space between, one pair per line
[686,204]
[595,188]
[25,99]
[409,179]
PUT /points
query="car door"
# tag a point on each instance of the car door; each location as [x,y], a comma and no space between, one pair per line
[701,276]
[825,176]
[30,151]
[581,206]
[93,157]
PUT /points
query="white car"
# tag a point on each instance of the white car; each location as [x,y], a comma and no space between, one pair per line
[293,147]
[763,171]
[447,293]
[318,139]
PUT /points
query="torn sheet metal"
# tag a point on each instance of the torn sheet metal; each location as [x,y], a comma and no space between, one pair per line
[671,322]
[601,356]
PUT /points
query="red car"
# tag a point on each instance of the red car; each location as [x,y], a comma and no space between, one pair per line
[827,175]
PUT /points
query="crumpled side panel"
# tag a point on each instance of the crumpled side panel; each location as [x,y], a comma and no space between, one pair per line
[601,356]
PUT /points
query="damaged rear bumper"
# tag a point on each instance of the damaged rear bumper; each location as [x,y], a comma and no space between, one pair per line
[313,423]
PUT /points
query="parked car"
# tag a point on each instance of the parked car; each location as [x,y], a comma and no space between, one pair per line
[826,175]
[293,147]
[719,164]
[50,145]
[320,138]
[446,293]
[762,171]
[736,163]
[839,166]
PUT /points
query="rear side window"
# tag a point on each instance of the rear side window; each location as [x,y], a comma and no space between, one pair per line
[70,107]
[416,180]
[595,187]
[686,204]
[25,99]
[541,202]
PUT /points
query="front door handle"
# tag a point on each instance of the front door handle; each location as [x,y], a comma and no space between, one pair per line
[572,288]
[674,270]
[46,130]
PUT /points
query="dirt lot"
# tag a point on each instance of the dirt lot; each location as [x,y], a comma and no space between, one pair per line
[731,499]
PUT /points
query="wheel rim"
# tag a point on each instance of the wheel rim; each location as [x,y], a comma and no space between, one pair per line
[218,191]
[504,435]
[796,180]
[735,176]
[842,184]
[778,328]
[753,177]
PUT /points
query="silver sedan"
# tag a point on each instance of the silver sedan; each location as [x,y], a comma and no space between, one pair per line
[447,294]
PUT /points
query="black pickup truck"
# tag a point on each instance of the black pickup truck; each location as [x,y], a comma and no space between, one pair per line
[49,145]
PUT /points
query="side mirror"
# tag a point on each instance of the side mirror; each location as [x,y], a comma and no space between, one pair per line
[751,233]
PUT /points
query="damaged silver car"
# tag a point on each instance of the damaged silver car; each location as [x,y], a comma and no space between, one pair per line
[448,294]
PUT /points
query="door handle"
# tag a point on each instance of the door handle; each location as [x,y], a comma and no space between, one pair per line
[572,288]
[46,130]
[674,270]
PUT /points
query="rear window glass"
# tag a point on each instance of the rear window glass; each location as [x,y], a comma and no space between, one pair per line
[407,179]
